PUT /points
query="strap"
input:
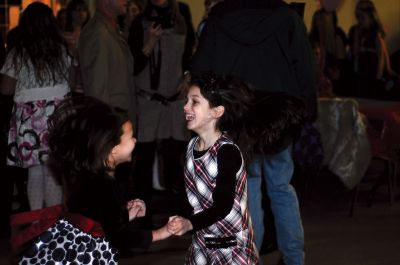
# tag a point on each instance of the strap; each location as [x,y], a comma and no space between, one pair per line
[40,221]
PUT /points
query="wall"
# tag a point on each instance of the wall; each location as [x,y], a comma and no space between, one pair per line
[388,10]
[389,13]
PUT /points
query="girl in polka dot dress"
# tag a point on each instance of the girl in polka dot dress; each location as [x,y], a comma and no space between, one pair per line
[87,140]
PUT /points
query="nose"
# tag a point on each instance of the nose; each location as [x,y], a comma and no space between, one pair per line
[185,107]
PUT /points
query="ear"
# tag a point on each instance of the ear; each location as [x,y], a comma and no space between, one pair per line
[110,159]
[219,111]
[114,150]
[112,153]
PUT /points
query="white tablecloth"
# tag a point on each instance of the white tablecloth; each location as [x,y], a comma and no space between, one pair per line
[343,130]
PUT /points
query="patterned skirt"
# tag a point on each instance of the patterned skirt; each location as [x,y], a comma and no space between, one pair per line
[28,134]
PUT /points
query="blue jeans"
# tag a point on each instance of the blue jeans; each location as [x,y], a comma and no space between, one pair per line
[277,171]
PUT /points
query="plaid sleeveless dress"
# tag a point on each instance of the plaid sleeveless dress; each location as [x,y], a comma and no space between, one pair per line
[200,181]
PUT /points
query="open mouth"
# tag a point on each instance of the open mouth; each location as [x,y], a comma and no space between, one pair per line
[189,117]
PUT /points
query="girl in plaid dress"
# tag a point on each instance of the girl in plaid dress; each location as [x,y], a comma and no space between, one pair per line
[215,176]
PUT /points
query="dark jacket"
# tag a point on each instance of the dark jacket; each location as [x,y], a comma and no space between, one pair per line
[100,199]
[264,43]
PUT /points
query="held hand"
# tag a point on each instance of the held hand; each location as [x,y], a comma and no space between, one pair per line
[133,212]
[178,225]
[171,225]
[136,208]
[142,207]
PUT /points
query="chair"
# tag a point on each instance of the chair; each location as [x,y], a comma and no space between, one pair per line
[373,179]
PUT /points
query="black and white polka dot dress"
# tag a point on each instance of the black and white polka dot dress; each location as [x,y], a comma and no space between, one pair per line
[65,244]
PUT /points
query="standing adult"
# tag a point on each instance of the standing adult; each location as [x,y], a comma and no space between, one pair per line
[77,16]
[368,51]
[36,72]
[265,43]
[105,59]
[159,42]
[326,34]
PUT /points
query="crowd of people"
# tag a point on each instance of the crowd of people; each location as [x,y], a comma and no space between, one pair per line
[89,103]
[356,64]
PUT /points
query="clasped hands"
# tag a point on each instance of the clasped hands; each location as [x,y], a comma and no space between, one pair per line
[178,225]
[136,208]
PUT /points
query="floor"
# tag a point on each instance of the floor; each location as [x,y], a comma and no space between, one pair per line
[370,237]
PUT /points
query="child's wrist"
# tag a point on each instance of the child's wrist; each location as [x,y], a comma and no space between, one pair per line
[160,234]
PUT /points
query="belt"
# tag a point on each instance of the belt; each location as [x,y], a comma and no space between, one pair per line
[220,242]
[157,97]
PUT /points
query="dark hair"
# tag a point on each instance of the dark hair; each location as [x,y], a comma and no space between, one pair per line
[71,7]
[138,3]
[61,18]
[82,132]
[40,42]
[368,7]
[169,15]
[227,91]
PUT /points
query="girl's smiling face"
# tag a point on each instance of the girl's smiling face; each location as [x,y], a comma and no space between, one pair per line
[198,113]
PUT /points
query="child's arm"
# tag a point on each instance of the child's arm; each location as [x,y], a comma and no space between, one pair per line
[161,233]
[229,162]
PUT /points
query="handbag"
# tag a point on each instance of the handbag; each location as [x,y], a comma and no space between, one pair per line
[308,152]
